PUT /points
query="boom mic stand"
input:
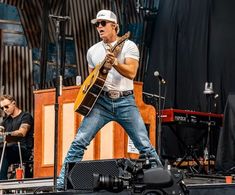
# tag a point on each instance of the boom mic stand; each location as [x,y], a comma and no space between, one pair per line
[159,121]
[58,20]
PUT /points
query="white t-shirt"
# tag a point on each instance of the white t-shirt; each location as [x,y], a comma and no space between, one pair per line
[114,81]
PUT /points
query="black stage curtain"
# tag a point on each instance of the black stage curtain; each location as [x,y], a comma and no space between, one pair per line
[193,42]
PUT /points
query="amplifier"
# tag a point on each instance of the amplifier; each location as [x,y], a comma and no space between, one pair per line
[79,175]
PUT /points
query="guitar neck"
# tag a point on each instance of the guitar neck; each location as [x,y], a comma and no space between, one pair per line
[112,49]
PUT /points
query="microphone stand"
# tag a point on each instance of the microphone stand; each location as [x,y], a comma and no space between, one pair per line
[159,124]
[58,93]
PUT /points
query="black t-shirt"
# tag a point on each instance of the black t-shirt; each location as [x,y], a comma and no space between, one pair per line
[12,124]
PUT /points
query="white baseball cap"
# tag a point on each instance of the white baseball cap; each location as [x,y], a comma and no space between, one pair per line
[105,15]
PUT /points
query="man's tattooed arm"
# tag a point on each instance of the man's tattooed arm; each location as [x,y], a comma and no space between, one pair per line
[22,131]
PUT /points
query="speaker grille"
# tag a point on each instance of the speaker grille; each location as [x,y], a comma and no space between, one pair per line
[80,175]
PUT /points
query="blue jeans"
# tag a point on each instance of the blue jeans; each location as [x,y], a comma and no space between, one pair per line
[122,110]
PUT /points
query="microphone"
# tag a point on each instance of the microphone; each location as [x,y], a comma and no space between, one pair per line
[156,74]
[61,18]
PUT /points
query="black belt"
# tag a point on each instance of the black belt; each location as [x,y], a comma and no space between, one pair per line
[114,94]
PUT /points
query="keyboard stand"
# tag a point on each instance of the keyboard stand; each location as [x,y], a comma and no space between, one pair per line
[189,151]
[3,152]
[10,139]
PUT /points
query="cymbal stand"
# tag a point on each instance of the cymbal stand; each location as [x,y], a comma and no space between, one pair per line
[209,92]
[207,149]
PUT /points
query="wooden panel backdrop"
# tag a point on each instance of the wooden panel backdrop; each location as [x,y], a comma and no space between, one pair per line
[110,142]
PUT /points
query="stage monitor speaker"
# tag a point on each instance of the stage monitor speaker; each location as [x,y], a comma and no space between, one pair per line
[79,176]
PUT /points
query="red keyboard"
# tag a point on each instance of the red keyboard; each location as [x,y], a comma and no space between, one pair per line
[189,117]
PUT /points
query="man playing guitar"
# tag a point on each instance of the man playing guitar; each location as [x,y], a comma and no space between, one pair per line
[116,100]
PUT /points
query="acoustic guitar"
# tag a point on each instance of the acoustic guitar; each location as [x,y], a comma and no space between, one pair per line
[94,84]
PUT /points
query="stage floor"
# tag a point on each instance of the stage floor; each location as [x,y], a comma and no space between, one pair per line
[196,185]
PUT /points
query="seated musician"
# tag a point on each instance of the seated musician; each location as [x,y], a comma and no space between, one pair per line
[16,124]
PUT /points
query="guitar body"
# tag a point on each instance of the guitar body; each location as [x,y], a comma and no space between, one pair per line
[89,92]
[93,85]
